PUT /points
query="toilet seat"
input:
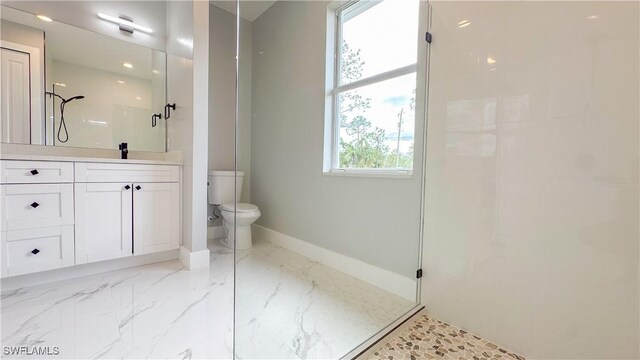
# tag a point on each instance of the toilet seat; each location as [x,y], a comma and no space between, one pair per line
[239,207]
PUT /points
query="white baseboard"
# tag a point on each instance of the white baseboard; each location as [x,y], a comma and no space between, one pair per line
[378,277]
[73,272]
[214,232]
[196,259]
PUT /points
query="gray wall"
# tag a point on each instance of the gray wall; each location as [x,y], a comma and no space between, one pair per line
[222,97]
[375,220]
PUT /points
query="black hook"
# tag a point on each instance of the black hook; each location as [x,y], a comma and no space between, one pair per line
[154,119]
[167,110]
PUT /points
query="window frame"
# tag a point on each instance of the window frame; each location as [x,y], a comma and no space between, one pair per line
[334,89]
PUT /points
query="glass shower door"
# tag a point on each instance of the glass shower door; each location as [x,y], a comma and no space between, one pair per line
[331,154]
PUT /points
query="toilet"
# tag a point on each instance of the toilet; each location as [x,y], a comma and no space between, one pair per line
[221,193]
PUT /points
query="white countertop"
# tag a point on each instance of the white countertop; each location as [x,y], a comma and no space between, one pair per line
[87,159]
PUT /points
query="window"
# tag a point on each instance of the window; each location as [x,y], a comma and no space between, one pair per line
[372,88]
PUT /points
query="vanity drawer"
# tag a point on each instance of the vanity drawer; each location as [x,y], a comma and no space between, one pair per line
[27,251]
[36,206]
[25,172]
[102,172]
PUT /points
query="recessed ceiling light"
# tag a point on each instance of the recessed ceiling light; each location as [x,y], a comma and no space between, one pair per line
[44,18]
[491,60]
[155,71]
[61,84]
[127,65]
[127,23]
[120,82]
[464,23]
[138,98]
[592,17]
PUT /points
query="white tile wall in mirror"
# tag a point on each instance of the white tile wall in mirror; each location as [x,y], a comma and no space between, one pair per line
[122,85]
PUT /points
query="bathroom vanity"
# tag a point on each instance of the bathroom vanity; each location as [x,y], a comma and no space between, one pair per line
[66,197]
[61,212]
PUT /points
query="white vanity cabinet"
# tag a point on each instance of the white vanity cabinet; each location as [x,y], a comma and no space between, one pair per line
[156,211]
[125,209]
[104,221]
[36,216]
[56,214]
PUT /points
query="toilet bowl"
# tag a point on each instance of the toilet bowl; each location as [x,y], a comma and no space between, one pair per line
[242,215]
[224,191]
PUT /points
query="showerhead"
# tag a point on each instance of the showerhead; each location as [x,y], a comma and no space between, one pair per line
[74,98]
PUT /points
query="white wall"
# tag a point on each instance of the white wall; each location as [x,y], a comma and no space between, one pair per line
[187,129]
[532,176]
[375,220]
[110,113]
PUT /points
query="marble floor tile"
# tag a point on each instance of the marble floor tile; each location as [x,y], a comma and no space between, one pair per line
[153,311]
[316,312]
[286,307]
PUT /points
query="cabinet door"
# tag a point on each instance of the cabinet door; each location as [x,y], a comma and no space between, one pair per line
[156,217]
[103,221]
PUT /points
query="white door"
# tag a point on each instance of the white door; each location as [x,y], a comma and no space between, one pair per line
[15,97]
[156,217]
[103,221]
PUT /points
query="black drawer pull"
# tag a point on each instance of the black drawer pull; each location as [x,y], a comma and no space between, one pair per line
[34,172]
[127,187]
[34,204]
[35,251]
[138,187]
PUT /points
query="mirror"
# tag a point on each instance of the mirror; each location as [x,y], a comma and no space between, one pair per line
[67,86]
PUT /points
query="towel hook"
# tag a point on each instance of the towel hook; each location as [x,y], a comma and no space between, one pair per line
[154,119]
[167,110]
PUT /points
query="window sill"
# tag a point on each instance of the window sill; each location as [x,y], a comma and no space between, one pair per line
[371,174]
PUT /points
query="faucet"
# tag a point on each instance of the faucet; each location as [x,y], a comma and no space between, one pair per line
[124,151]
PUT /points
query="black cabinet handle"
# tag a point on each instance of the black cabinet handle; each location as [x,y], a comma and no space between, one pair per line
[138,187]
[35,251]
[34,172]
[34,204]
[127,187]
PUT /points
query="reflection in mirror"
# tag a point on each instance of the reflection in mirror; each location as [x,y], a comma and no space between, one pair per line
[329,129]
[73,87]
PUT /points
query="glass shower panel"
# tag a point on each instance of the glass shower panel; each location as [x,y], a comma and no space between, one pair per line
[334,250]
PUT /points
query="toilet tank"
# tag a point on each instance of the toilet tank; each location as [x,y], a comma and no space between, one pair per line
[221,185]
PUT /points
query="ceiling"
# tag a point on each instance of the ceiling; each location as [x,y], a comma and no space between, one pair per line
[249,10]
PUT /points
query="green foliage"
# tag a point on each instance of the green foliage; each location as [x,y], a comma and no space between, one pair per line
[364,147]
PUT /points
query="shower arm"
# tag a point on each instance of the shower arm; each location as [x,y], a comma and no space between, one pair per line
[54,94]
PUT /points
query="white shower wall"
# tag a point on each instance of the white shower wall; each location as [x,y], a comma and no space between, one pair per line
[532,220]
[111,112]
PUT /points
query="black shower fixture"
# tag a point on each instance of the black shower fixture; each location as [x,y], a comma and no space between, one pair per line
[62,122]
